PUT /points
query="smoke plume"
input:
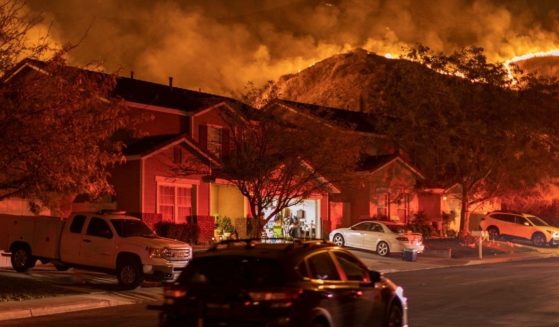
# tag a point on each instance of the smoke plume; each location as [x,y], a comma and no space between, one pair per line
[220,45]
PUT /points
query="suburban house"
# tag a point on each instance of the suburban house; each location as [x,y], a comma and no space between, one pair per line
[180,129]
[386,183]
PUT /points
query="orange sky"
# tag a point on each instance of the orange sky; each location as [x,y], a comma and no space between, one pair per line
[220,45]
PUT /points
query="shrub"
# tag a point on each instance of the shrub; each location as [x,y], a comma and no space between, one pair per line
[183,232]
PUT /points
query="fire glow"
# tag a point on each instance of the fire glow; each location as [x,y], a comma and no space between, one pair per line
[550,53]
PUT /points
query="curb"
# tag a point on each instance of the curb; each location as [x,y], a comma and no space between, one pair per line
[62,304]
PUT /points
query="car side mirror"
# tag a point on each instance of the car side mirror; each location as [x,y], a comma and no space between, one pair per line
[374,276]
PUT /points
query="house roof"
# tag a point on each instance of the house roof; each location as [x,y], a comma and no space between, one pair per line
[151,145]
[376,163]
[346,119]
[146,92]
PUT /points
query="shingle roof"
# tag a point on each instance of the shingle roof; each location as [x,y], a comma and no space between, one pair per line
[148,144]
[343,118]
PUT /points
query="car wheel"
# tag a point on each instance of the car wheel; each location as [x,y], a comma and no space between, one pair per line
[129,273]
[394,318]
[338,239]
[493,233]
[383,249]
[21,258]
[538,240]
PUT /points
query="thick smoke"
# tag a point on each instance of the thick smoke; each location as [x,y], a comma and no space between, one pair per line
[220,45]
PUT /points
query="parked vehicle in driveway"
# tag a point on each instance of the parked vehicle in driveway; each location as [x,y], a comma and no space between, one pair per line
[104,241]
[522,226]
[249,283]
[384,237]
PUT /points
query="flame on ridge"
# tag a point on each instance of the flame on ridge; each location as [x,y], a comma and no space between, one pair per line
[550,53]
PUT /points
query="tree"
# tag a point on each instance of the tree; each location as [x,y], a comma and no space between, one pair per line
[276,165]
[463,121]
[57,122]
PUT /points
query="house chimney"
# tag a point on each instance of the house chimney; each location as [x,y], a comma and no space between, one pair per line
[170,81]
[132,74]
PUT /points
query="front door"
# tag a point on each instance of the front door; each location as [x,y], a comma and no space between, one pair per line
[98,246]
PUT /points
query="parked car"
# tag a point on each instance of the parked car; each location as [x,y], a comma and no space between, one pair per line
[384,237]
[522,226]
[105,241]
[312,283]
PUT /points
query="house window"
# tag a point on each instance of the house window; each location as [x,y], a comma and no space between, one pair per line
[215,140]
[175,203]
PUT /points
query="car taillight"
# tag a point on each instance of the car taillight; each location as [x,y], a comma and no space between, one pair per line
[402,238]
[171,292]
[274,296]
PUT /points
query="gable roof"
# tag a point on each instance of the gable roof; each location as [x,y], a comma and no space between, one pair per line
[145,92]
[148,146]
[341,118]
[375,163]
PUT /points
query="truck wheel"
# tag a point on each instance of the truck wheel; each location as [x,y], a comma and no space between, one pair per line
[21,258]
[61,267]
[129,273]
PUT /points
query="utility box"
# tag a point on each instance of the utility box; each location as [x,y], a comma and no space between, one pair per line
[409,255]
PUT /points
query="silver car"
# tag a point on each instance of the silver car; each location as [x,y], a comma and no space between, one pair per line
[384,237]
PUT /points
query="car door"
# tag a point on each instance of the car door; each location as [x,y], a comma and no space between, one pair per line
[506,223]
[98,246]
[523,228]
[367,308]
[355,234]
[337,297]
[372,236]
[71,242]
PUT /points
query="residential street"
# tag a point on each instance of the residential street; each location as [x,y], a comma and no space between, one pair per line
[521,293]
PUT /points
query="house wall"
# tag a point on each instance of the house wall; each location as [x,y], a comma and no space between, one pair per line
[154,122]
[161,165]
[126,180]
[211,116]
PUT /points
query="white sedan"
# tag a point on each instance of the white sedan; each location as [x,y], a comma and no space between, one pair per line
[383,237]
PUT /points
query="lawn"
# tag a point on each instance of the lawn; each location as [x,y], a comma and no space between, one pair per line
[460,250]
[22,288]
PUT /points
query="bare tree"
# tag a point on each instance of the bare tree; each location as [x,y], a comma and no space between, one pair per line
[275,165]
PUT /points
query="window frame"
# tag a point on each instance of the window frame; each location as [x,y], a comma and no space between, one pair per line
[177,183]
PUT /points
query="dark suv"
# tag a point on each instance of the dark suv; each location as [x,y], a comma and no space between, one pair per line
[250,283]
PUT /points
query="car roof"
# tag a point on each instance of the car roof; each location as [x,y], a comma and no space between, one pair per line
[284,251]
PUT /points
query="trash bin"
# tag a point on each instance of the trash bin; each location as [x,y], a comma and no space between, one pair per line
[409,255]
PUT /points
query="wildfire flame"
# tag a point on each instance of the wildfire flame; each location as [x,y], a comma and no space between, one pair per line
[550,53]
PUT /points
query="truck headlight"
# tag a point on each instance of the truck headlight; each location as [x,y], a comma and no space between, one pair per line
[157,252]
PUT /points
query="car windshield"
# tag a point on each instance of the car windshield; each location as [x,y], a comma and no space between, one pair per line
[132,227]
[396,228]
[242,272]
[537,221]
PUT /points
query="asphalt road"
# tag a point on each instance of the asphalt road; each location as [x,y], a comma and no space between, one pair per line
[521,293]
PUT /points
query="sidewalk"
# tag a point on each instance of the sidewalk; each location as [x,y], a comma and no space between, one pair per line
[70,303]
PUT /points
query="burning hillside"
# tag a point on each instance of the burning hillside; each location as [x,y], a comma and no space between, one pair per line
[355,81]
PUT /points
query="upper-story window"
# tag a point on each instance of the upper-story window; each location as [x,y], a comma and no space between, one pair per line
[215,140]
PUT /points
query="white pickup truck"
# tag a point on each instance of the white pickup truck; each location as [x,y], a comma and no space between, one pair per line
[104,241]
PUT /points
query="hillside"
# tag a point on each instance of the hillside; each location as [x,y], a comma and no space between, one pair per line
[357,80]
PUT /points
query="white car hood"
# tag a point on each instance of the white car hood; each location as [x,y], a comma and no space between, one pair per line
[157,242]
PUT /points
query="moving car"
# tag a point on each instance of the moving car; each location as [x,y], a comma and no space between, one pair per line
[250,283]
[522,226]
[104,241]
[384,237]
